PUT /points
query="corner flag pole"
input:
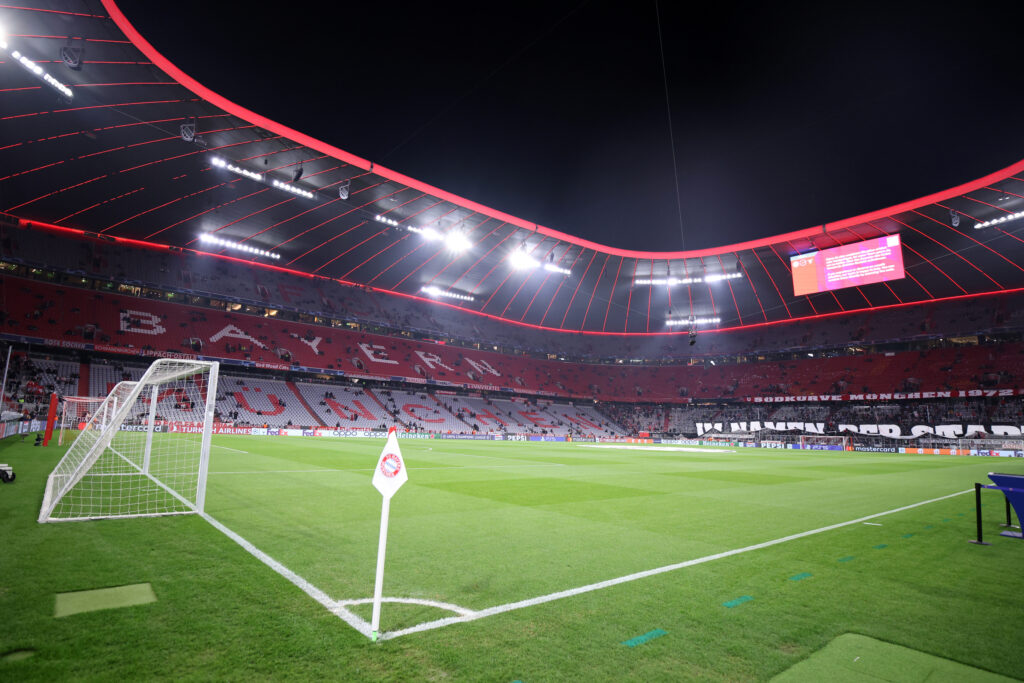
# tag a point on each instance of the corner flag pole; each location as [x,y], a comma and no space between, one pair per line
[388,477]
[378,585]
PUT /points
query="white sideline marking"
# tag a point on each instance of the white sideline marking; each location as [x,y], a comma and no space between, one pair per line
[872,524]
[678,449]
[230,449]
[411,469]
[508,607]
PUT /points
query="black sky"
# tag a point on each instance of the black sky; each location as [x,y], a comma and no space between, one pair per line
[785,115]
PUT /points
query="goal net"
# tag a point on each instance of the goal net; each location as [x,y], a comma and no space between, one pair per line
[143,452]
[820,442]
[75,412]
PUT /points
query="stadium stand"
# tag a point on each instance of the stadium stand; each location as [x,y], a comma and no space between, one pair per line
[193,275]
[113,323]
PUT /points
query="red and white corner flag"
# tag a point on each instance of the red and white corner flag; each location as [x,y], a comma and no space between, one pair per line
[388,477]
[390,472]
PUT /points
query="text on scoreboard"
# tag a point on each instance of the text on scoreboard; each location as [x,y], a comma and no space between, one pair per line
[874,260]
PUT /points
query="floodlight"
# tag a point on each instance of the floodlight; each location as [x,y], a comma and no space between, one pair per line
[435,291]
[1001,219]
[457,242]
[520,260]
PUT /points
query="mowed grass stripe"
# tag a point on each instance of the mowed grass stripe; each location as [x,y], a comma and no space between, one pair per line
[222,614]
[457,534]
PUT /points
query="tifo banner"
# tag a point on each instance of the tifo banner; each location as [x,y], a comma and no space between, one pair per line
[892,431]
[895,396]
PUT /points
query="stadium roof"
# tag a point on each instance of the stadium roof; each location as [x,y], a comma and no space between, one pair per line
[135,149]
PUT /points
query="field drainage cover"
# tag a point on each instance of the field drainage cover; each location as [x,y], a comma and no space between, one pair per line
[103,598]
[852,657]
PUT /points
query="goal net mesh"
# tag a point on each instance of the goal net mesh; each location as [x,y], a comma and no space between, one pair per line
[75,411]
[144,450]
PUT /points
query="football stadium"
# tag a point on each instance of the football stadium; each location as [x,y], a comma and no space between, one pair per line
[272,410]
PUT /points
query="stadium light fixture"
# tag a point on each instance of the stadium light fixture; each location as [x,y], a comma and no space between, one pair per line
[457,242]
[384,219]
[213,240]
[220,162]
[293,189]
[444,294]
[672,281]
[520,260]
[554,268]
[681,322]
[33,68]
[1001,219]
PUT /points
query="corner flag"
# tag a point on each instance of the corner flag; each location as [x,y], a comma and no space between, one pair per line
[388,477]
[390,472]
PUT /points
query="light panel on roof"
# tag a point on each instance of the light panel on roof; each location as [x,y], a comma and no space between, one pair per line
[437,292]
[673,281]
[224,163]
[1002,219]
[33,68]
[293,189]
[207,238]
[682,322]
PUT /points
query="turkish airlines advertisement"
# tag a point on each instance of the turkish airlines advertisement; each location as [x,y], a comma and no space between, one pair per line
[851,265]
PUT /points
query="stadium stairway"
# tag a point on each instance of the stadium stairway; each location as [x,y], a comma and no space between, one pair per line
[83,379]
[469,427]
[393,416]
[302,401]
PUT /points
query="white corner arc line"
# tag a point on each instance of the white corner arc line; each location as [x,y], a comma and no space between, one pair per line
[530,602]
[463,611]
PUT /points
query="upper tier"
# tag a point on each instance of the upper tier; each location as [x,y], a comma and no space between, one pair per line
[142,151]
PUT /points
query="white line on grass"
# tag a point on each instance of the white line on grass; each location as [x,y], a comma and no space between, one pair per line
[309,589]
[338,607]
[508,607]
[872,523]
[230,449]
[411,469]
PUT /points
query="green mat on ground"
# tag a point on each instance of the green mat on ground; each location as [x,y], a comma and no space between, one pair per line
[103,598]
[852,657]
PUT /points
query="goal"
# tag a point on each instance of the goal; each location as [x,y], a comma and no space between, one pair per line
[820,442]
[75,411]
[143,452]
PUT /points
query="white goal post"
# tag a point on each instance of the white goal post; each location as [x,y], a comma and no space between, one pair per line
[143,452]
[826,442]
[76,410]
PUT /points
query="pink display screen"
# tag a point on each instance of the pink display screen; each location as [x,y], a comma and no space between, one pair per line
[850,265]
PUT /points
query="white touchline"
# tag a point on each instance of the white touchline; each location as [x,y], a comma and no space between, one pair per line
[872,523]
[411,469]
[338,607]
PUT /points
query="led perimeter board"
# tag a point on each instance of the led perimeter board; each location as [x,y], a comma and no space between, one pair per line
[874,260]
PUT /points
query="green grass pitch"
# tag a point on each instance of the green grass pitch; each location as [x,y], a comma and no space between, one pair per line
[483,524]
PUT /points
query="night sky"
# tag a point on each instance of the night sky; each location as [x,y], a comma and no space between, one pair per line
[784,115]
